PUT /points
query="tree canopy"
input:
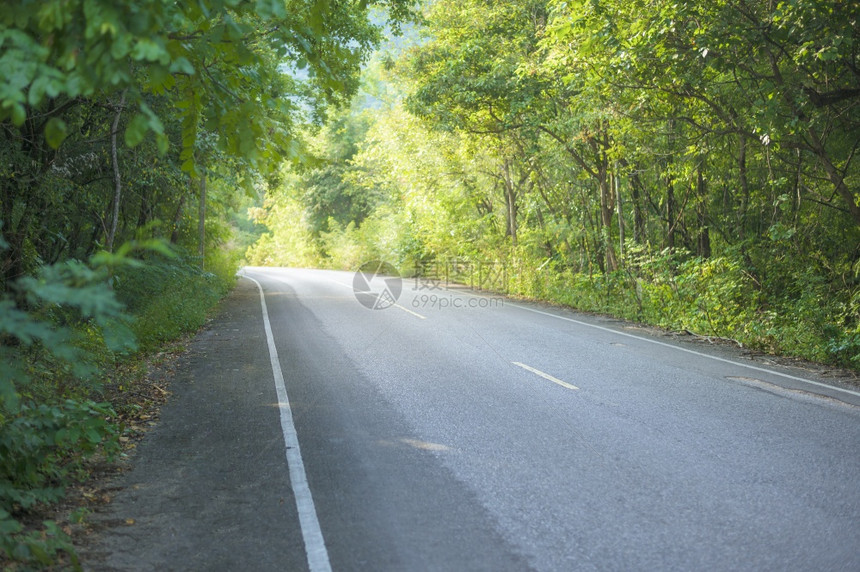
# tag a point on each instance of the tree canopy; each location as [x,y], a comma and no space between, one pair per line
[124,125]
[688,164]
[208,80]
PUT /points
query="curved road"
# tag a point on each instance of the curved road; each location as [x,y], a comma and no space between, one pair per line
[459,432]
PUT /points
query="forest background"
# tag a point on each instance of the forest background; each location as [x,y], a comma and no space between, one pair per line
[687,165]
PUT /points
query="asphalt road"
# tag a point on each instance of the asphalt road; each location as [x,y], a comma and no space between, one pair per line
[459,432]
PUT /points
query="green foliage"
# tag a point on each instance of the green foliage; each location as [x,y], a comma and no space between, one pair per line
[36,547]
[54,333]
[58,333]
[711,297]
[53,315]
[207,79]
[289,241]
[690,165]
[43,447]
[170,297]
[213,58]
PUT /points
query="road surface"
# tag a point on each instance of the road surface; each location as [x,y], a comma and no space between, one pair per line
[450,431]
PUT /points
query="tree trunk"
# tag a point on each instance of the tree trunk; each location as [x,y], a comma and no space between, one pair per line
[117,181]
[201,222]
[607,197]
[144,213]
[638,217]
[620,206]
[510,202]
[607,208]
[745,187]
[670,188]
[703,239]
[670,212]
[592,232]
[177,218]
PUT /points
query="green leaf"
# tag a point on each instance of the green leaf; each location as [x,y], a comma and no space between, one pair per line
[270,9]
[93,436]
[56,131]
[120,47]
[19,114]
[38,552]
[8,525]
[149,50]
[137,130]
[181,65]
[162,142]
[37,90]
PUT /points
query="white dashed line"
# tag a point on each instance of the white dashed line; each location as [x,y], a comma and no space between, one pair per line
[680,349]
[544,375]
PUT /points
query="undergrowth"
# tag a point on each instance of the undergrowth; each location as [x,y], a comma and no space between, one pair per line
[64,334]
[741,296]
[794,312]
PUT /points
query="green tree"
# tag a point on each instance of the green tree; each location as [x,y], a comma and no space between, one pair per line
[117,119]
[215,65]
[689,164]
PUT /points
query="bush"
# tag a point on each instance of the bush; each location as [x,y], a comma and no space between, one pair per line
[792,310]
[55,329]
[58,331]
[171,296]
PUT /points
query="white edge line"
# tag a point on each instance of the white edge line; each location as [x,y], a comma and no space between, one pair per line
[544,375]
[315,548]
[694,352]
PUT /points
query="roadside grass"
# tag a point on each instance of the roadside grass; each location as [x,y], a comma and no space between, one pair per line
[169,297]
[76,351]
[793,312]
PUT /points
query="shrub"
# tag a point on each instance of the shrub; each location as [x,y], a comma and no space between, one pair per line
[58,330]
[64,320]
[171,296]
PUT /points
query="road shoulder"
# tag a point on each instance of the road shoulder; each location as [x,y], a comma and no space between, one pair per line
[212,473]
